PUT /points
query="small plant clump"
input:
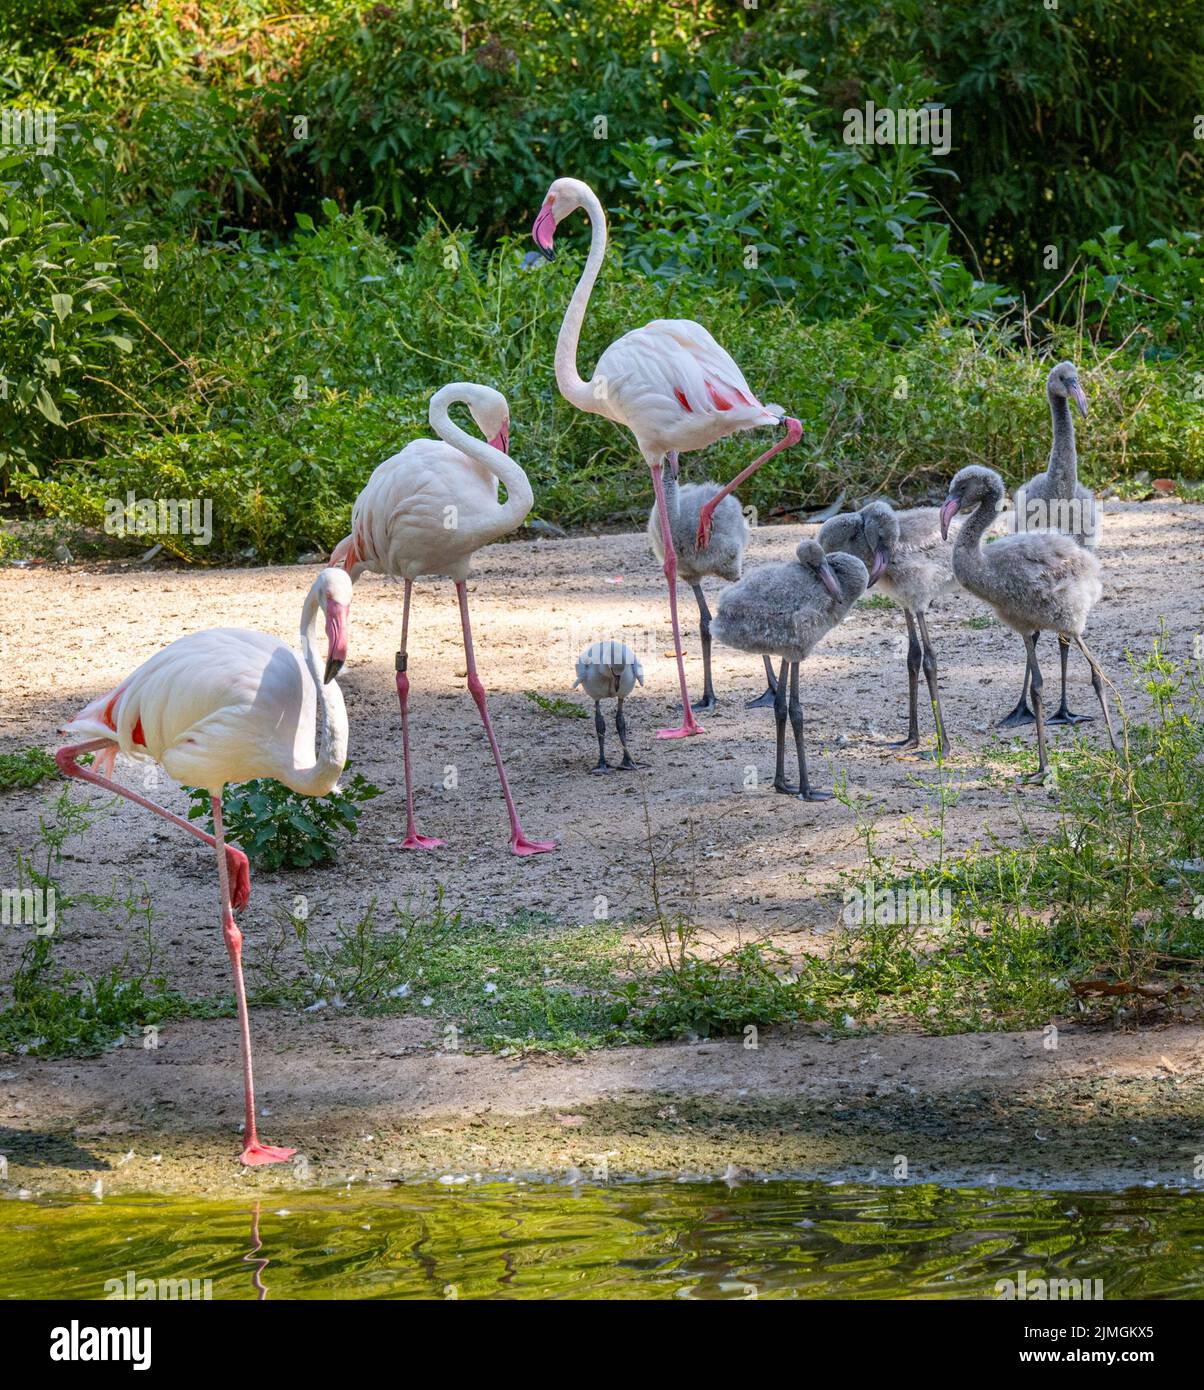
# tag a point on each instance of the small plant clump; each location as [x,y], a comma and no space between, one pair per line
[25,768]
[280,829]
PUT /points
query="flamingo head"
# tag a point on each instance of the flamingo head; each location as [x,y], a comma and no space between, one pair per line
[811,555]
[333,587]
[491,412]
[1063,381]
[880,528]
[972,487]
[563,197]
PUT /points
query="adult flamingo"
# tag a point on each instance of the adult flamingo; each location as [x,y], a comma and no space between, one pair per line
[669,382]
[428,510]
[228,705]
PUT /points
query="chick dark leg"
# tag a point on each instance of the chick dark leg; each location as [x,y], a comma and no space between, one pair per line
[704,627]
[765,701]
[628,764]
[1021,714]
[806,792]
[1097,684]
[779,716]
[1063,714]
[930,675]
[914,658]
[600,730]
[1035,685]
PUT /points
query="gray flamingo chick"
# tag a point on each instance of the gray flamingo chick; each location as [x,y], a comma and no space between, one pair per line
[607,671]
[1056,500]
[1036,581]
[907,558]
[783,610]
[722,556]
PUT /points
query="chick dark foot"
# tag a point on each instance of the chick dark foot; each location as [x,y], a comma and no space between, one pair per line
[1020,716]
[762,701]
[1065,716]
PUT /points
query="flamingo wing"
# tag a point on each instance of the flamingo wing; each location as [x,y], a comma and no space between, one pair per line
[422,510]
[673,385]
[222,705]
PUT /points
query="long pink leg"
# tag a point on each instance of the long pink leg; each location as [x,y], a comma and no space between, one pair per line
[413,839]
[518,841]
[689,724]
[231,867]
[236,860]
[255,1153]
[794,432]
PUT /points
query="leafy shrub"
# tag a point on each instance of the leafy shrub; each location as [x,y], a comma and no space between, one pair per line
[1110,85]
[834,230]
[280,829]
[64,328]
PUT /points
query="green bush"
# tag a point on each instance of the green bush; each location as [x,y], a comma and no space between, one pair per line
[751,197]
[280,829]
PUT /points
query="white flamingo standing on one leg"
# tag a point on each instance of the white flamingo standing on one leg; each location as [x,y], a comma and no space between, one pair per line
[427,510]
[228,705]
[669,382]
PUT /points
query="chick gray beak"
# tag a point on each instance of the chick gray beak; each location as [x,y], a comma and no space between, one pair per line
[947,514]
[1080,399]
[831,583]
[881,560]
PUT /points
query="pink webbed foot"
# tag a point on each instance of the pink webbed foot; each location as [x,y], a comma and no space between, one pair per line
[522,846]
[240,878]
[688,729]
[415,841]
[257,1154]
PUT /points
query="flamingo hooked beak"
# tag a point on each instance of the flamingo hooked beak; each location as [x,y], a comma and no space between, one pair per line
[336,639]
[501,440]
[952,505]
[881,560]
[831,583]
[543,232]
[1080,399]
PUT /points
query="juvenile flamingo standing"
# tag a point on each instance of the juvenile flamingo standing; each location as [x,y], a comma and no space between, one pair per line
[669,382]
[428,510]
[228,705]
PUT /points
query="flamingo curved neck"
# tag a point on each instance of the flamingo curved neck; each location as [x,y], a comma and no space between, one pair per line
[1063,457]
[519,497]
[968,558]
[572,387]
[331,755]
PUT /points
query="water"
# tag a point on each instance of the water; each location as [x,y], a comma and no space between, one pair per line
[638,1240]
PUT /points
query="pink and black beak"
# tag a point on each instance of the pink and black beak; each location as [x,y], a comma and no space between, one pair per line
[878,568]
[1080,398]
[831,583]
[948,511]
[543,232]
[336,639]
[501,440]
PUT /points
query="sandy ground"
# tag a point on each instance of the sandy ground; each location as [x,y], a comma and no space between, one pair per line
[372,1100]
[742,860]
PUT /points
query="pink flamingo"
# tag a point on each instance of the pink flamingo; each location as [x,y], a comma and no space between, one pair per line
[428,510]
[228,705]
[669,382]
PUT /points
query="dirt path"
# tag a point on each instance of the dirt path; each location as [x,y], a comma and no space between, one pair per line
[764,864]
[375,1099]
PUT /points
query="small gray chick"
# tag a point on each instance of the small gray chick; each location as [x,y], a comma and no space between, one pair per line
[783,610]
[606,671]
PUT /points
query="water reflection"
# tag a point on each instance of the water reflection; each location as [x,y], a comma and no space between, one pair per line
[642,1240]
